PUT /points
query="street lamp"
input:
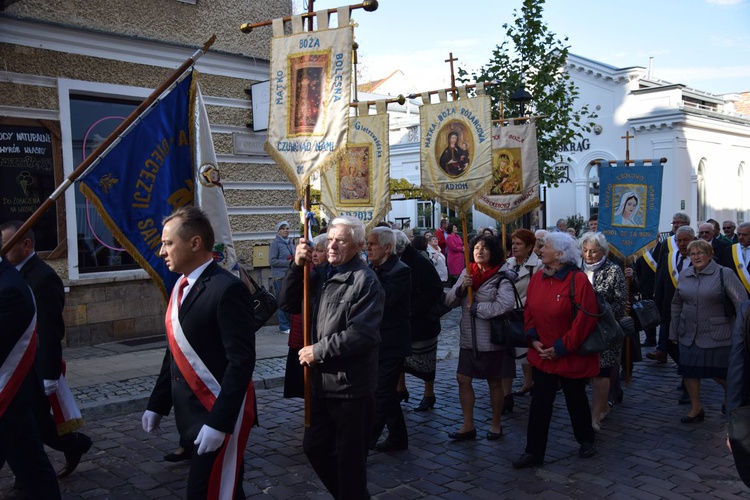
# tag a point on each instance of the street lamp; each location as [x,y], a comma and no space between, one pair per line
[521,96]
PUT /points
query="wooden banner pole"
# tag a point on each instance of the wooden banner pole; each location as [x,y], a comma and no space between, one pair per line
[367,5]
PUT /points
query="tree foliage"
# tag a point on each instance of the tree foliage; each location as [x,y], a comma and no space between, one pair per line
[532,57]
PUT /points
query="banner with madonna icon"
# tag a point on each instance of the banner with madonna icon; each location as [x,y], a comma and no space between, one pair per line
[310,92]
[359,184]
[629,206]
[515,173]
[456,147]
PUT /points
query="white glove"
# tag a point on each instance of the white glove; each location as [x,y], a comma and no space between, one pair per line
[150,422]
[50,387]
[209,439]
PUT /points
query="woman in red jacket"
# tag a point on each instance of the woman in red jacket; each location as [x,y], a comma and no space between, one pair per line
[554,338]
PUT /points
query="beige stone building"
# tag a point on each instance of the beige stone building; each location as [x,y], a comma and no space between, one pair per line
[71,71]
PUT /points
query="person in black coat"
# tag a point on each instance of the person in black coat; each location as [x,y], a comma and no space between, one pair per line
[20,443]
[426,291]
[211,334]
[395,338]
[49,294]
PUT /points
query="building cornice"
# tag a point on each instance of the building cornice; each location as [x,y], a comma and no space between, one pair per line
[127,49]
[603,72]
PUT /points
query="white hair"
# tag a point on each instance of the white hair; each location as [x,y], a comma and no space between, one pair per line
[356,226]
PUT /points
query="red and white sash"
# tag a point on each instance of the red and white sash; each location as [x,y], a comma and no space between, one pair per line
[64,408]
[206,388]
[15,367]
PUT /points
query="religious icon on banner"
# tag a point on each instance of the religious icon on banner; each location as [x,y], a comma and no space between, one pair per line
[507,169]
[308,81]
[628,209]
[354,175]
[456,142]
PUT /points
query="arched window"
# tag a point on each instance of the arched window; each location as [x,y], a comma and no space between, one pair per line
[702,213]
[593,189]
[741,203]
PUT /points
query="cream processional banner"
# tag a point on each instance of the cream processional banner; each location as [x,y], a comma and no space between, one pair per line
[515,173]
[359,185]
[310,92]
[455,153]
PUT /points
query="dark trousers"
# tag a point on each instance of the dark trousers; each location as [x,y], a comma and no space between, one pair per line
[665,345]
[22,448]
[200,474]
[70,443]
[336,444]
[387,406]
[540,412]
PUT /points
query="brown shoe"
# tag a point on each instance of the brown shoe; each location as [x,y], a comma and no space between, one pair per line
[657,356]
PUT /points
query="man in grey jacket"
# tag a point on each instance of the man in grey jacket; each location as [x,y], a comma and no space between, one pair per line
[346,313]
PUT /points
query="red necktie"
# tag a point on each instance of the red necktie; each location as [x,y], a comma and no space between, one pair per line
[183,284]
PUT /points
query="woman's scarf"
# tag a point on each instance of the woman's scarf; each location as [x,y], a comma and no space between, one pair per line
[479,277]
[591,269]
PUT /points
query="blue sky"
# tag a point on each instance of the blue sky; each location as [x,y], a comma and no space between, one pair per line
[704,44]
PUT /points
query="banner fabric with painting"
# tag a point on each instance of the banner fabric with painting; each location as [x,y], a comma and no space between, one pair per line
[629,206]
[309,96]
[515,173]
[456,147]
[359,185]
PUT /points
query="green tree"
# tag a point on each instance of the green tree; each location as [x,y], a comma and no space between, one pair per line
[533,58]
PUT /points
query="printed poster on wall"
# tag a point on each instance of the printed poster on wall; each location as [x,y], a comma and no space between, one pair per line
[310,88]
[456,145]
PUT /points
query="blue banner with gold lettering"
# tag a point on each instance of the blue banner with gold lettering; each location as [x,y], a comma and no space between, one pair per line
[144,178]
[629,205]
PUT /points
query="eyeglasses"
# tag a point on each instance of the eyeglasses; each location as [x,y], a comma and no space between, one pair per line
[705,232]
[727,228]
[696,254]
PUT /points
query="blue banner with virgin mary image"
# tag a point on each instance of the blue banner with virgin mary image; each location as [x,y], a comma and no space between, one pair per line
[629,205]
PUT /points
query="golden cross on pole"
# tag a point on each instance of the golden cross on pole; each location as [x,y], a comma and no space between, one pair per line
[627,138]
[453,76]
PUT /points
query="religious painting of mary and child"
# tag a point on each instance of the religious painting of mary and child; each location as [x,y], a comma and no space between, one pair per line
[629,207]
[507,171]
[454,148]
[354,176]
[308,75]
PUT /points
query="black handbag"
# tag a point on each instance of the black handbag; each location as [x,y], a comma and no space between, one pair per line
[607,332]
[507,330]
[263,302]
[647,314]
[438,309]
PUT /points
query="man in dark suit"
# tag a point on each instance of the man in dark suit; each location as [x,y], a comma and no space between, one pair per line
[706,232]
[49,295]
[737,256]
[667,275]
[395,338]
[20,443]
[208,367]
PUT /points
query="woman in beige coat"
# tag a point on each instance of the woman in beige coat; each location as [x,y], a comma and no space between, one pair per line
[478,357]
[701,324]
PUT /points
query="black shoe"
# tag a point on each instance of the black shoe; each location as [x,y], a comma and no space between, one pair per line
[389,445]
[508,404]
[684,399]
[687,419]
[587,450]
[463,436]
[494,436]
[403,396]
[73,456]
[527,460]
[522,392]
[180,455]
[426,403]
